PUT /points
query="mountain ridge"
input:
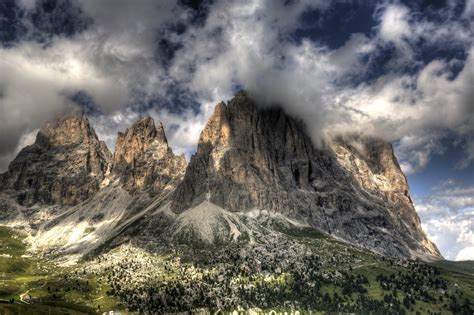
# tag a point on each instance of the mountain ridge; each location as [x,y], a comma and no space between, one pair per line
[247,159]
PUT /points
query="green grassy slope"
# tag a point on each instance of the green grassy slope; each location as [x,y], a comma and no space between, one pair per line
[51,288]
[308,271]
[458,278]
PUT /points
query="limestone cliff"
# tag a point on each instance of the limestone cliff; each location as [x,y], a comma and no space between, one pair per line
[65,165]
[144,160]
[353,188]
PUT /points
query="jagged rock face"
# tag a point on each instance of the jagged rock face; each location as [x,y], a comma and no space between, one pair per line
[353,188]
[144,160]
[65,165]
[372,165]
[248,159]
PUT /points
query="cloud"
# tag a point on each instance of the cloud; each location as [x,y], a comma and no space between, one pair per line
[181,128]
[38,83]
[112,60]
[416,111]
[25,140]
[394,23]
[252,53]
[415,152]
[469,157]
[448,218]
[311,81]
[28,4]
[468,9]
[452,235]
[132,55]
[466,253]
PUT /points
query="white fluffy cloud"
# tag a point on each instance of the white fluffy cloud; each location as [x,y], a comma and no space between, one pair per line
[417,110]
[394,23]
[466,253]
[448,218]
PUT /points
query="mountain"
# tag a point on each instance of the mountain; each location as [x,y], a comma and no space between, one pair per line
[144,160]
[255,171]
[102,194]
[351,187]
[66,164]
[260,218]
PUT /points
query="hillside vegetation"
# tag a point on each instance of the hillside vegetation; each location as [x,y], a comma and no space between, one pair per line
[298,269]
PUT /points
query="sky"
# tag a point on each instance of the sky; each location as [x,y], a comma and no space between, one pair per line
[400,70]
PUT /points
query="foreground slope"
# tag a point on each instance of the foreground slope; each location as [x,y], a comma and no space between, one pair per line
[296,269]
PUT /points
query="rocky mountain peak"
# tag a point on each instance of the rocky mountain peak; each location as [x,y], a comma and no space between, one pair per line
[252,158]
[373,168]
[244,147]
[136,140]
[65,165]
[143,158]
[217,131]
[379,160]
[146,129]
[71,129]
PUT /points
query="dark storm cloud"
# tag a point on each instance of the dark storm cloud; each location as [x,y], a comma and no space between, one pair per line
[9,138]
[57,17]
[199,8]
[11,22]
[43,20]
[84,101]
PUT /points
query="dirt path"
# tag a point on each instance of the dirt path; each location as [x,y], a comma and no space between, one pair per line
[23,296]
[363,265]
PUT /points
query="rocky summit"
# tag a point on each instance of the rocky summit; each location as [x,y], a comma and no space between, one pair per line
[66,164]
[256,171]
[144,160]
